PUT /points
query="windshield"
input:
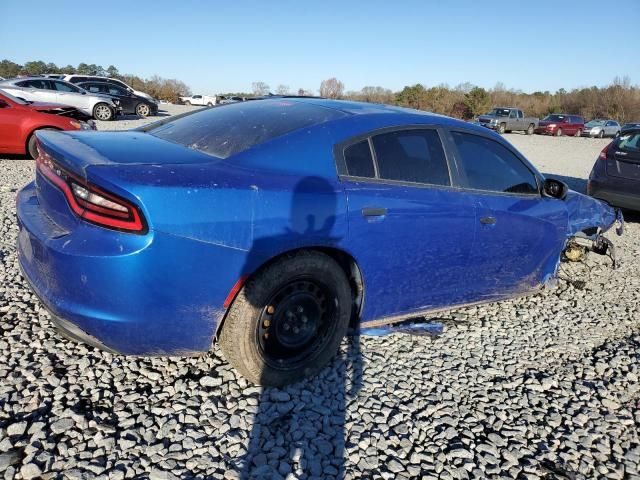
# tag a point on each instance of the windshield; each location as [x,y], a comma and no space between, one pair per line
[14,99]
[499,112]
[595,123]
[231,128]
[555,118]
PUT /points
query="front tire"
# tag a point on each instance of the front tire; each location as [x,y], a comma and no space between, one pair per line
[288,320]
[143,110]
[559,132]
[578,133]
[187,103]
[103,112]
[601,134]
[502,128]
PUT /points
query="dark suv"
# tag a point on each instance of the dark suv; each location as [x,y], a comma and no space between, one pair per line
[615,177]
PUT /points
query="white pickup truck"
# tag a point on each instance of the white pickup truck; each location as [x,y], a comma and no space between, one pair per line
[208,100]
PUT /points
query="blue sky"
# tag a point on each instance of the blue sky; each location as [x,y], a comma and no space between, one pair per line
[225,46]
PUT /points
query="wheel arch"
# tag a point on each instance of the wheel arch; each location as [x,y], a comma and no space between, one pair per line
[34,130]
[345,260]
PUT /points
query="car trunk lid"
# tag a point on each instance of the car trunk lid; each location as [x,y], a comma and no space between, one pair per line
[623,156]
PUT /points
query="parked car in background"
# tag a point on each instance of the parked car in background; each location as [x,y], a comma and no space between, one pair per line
[561,124]
[615,176]
[629,126]
[39,89]
[204,100]
[601,128]
[114,81]
[222,99]
[508,119]
[293,250]
[20,119]
[130,103]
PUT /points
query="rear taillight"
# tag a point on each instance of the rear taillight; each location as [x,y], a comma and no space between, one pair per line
[603,153]
[89,202]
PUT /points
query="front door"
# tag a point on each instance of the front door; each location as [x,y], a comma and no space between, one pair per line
[410,232]
[519,234]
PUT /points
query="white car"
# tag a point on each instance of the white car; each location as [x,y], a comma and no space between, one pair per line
[49,90]
[208,100]
[92,78]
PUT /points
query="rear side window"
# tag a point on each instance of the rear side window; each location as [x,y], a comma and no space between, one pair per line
[359,161]
[492,167]
[41,84]
[65,87]
[230,129]
[411,156]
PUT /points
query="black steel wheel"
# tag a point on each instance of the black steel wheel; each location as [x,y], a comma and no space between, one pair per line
[288,320]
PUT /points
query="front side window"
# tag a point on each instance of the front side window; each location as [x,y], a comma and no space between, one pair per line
[113,90]
[65,87]
[411,156]
[490,166]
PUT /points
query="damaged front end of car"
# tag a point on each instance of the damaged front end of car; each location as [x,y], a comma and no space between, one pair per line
[70,112]
[588,220]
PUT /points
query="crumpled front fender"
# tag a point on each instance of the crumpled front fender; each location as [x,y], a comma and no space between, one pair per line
[586,213]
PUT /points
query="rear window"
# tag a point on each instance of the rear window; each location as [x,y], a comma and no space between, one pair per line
[629,142]
[359,160]
[230,129]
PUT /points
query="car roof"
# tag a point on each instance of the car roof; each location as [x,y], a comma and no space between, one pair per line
[394,113]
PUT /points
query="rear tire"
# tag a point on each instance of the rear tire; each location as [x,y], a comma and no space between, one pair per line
[143,110]
[32,146]
[209,104]
[288,320]
[559,132]
[103,112]
[530,129]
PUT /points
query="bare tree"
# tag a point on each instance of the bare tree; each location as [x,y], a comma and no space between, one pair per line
[283,90]
[260,88]
[331,88]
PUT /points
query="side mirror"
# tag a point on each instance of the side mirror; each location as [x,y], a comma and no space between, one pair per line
[554,188]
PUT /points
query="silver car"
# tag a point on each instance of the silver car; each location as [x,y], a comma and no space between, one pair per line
[601,128]
[50,90]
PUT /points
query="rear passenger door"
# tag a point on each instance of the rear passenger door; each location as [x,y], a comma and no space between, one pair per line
[519,233]
[409,230]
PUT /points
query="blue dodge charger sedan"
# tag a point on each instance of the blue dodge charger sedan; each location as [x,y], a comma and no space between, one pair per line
[270,225]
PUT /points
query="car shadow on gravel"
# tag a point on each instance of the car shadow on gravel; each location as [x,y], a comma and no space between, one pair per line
[300,430]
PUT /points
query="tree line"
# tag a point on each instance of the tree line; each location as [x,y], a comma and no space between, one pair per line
[620,100]
[162,88]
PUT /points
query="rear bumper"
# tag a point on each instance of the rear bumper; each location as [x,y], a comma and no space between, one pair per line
[153,294]
[617,199]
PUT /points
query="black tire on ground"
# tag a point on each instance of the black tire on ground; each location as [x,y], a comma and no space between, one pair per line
[530,129]
[188,103]
[601,134]
[502,128]
[559,132]
[578,133]
[143,110]
[209,104]
[102,111]
[288,320]
[32,147]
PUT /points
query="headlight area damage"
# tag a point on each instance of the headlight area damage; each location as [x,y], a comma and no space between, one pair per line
[589,219]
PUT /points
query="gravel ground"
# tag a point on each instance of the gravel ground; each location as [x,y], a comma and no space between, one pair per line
[541,387]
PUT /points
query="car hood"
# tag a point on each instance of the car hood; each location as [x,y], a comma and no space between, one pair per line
[587,213]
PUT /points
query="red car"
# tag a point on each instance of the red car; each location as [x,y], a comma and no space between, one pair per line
[19,119]
[560,124]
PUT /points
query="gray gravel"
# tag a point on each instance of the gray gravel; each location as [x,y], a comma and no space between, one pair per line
[541,387]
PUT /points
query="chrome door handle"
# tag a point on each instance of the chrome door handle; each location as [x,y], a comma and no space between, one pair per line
[373,212]
[488,220]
